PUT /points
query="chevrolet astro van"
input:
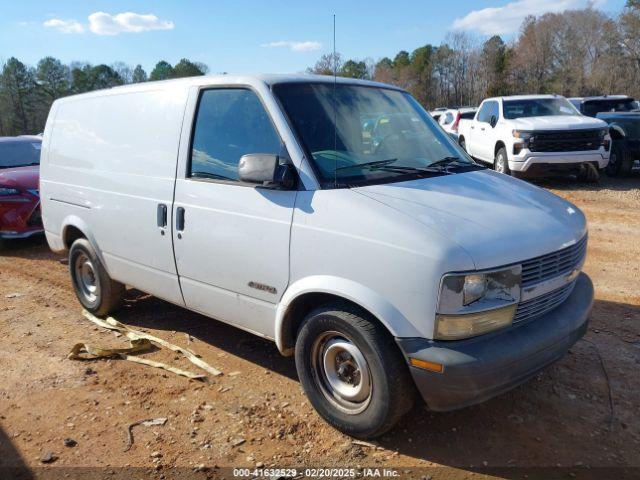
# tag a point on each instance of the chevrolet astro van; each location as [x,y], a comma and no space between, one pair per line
[390,268]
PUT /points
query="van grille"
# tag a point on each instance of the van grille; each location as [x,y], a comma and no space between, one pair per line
[553,264]
[566,141]
[542,304]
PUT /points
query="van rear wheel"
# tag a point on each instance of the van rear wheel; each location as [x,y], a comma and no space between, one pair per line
[352,371]
[97,292]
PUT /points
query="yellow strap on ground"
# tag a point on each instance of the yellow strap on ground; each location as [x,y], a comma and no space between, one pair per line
[139,342]
[137,346]
[112,324]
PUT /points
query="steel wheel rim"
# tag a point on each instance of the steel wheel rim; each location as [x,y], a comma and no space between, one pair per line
[86,278]
[500,164]
[342,372]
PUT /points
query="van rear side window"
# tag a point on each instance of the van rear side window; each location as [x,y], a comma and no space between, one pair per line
[230,123]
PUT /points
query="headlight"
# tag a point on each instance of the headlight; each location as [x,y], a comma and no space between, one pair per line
[474,303]
[604,141]
[522,134]
[475,287]
[6,191]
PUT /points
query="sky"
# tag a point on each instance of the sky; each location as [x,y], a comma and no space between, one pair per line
[251,36]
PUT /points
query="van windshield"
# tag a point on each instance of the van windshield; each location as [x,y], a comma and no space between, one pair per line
[358,135]
[19,153]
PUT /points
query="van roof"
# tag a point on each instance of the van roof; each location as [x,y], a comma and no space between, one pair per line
[268,79]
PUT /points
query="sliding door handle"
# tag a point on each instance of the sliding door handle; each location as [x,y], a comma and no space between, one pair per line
[179,219]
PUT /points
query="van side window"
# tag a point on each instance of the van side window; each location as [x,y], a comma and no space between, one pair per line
[230,123]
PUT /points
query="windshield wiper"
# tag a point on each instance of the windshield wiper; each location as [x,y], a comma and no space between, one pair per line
[404,169]
[369,165]
[445,162]
[213,176]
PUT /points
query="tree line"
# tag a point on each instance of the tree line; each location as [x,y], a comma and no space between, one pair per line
[573,53]
[26,93]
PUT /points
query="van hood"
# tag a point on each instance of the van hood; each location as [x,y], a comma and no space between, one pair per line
[557,122]
[497,219]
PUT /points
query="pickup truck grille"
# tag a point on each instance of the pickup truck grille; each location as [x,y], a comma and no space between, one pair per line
[542,304]
[553,264]
[566,141]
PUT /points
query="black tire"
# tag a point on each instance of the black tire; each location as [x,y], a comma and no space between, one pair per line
[462,142]
[501,162]
[589,174]
[392,392]
[96,291]
[619,162]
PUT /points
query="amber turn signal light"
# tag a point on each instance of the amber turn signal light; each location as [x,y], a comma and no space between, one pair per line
[431,366]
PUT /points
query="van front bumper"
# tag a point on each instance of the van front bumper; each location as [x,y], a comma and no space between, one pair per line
[482,367]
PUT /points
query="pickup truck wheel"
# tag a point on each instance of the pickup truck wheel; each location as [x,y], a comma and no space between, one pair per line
[619,163]
[352,371]
[589,174]
[501,163]
[463,143]
[97,292]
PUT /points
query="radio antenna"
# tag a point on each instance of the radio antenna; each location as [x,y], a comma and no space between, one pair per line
[335,110]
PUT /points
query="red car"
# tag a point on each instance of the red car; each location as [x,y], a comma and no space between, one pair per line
[19,196]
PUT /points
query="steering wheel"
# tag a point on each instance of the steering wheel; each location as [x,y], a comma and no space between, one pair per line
[388,140]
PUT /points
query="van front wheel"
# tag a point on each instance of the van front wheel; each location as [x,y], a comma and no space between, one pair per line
[352,371]
[97,292]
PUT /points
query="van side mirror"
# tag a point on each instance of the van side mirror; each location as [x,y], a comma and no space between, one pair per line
[265,170]
[493,121]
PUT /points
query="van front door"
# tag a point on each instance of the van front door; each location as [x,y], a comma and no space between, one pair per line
[231,240]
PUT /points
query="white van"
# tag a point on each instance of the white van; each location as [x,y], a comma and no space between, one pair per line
[388,269]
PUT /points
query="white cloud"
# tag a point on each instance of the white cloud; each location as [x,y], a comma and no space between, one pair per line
[507,19]
[294,46]
[102,23]
[64,26]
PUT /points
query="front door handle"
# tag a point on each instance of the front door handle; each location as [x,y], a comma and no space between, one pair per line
[161,215]
[180,219]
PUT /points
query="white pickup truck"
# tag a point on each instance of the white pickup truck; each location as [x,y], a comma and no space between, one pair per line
[536,135]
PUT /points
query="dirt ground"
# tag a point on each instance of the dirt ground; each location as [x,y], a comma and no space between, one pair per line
[581,414]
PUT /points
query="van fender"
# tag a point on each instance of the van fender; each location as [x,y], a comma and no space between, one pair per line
[393,320]
[80,224]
